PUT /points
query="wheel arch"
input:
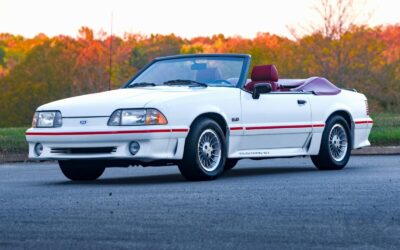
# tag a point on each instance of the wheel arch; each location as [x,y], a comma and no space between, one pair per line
[218,118]
[349,119]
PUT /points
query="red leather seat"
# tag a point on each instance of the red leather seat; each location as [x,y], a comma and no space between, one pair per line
[263,74]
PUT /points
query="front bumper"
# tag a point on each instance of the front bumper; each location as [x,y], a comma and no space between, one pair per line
[156,143]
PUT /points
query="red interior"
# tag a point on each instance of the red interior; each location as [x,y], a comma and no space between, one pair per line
[269,74]
[318,85]
[263,74]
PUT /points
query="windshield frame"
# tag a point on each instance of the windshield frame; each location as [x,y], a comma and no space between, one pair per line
[243,74]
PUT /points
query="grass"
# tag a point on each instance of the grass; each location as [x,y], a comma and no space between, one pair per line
[386,132]
[12,140]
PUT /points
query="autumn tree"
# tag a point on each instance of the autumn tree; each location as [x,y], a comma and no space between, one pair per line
[41,69]
[155,46]
[337,17]
[91,64]
[2,55]
[45,75]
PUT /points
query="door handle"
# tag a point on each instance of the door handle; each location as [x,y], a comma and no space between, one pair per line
[300,102]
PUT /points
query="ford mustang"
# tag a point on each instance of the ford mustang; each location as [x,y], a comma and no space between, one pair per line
[202,113]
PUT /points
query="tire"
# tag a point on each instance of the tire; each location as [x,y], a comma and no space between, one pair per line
[336,145]
[205,151]
[78,170]
[230,163]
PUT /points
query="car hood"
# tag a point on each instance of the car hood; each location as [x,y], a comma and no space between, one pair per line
[104,103]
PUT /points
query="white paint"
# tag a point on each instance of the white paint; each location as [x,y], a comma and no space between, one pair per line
[181,105]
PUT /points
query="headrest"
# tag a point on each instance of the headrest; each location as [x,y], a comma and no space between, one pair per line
[267,73]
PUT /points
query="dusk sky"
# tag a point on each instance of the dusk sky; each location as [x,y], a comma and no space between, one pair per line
[184,18]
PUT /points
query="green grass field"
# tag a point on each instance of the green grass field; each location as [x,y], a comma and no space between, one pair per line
[386,132]
[12,140]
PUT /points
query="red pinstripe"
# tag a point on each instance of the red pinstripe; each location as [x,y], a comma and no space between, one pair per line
[177,130]
[280,127]
[364,122]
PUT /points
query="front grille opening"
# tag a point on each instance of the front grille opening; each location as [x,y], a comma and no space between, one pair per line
[98,150]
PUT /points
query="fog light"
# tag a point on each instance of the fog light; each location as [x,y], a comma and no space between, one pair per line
[38,149]
[134,147]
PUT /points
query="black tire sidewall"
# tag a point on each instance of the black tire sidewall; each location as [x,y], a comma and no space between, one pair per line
[191,159]
[325,140]
[81,170]
[230,163]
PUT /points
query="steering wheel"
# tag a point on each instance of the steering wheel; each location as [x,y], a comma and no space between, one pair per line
[222,80]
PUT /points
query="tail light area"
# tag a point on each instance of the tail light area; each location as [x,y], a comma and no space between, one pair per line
[366,107]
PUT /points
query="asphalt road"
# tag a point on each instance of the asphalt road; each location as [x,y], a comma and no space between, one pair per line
[270,204]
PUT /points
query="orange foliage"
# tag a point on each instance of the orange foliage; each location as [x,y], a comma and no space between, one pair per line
[42,69]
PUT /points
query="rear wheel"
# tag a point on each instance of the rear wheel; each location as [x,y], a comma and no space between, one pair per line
[78,170]
[335,145]
[205,151]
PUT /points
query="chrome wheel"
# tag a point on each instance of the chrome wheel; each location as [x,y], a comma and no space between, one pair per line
[209,150]
[338,142]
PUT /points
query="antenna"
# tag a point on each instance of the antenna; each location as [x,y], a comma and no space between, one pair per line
[110,59]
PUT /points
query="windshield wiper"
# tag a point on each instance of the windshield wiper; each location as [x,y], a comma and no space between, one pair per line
[141,84]
[185,82]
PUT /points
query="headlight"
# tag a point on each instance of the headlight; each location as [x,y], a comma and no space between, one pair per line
[135,117]
[47,119]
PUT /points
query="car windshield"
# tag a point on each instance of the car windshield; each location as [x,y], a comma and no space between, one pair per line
[196,71]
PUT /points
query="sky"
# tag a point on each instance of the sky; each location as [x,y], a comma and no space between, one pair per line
[186,18]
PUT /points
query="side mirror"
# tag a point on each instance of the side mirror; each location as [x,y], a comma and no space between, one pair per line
[261,88]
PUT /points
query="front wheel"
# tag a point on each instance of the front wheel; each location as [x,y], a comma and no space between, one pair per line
[230,163]
[335,145]
[205,151]
[77,170]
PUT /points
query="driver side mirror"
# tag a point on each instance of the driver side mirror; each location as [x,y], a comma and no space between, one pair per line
[261,88]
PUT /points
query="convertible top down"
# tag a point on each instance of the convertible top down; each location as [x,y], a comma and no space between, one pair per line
[200,112]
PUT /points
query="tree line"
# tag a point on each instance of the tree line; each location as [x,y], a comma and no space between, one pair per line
[37,70]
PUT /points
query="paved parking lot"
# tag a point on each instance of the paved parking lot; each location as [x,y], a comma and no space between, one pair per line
[269,204]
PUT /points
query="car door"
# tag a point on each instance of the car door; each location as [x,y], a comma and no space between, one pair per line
[276,120]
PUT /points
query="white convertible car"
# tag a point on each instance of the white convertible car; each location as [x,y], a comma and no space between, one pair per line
[200,112]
